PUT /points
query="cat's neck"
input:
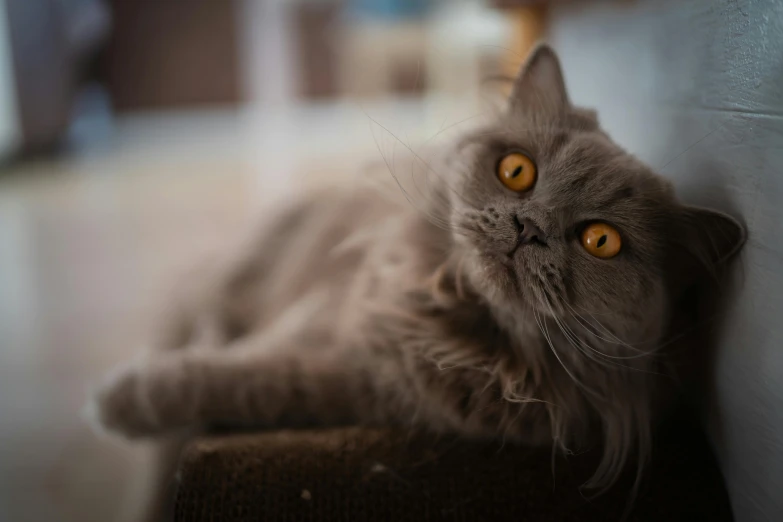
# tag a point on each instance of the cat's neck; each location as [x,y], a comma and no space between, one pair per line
[518,324]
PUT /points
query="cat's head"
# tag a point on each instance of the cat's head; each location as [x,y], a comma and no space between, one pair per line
[552,215]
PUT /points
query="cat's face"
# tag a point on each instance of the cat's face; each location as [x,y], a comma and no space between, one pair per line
[550,213]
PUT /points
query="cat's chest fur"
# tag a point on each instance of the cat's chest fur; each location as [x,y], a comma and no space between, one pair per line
[328,262]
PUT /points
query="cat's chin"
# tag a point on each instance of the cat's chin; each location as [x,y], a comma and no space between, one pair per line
[515,282]
[497,278]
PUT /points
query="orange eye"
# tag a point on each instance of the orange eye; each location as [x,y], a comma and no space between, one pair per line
[601,240]
[517,172]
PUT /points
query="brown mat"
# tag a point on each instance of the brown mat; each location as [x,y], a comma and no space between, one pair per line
[360,474]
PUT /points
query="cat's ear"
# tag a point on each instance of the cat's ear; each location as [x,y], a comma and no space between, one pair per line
[540,84]
[709,236]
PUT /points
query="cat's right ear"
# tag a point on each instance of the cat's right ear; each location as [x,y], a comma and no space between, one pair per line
[710,237]
[540,85]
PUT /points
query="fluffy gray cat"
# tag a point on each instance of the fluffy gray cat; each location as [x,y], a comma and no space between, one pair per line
[527,293]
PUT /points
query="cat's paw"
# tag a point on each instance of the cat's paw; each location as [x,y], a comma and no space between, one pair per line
[121,404]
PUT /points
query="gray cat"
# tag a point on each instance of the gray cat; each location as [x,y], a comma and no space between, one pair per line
[527,293]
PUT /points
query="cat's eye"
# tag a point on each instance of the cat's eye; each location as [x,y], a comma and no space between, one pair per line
[517,172]
[601,240]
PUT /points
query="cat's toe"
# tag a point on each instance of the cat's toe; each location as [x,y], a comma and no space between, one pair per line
[121,406]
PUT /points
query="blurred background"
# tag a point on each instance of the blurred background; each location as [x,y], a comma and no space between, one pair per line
[140,136]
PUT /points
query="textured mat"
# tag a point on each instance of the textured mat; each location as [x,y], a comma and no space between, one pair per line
[360,474]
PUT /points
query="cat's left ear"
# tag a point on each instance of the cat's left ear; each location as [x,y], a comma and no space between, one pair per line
[540,85]
[711,237]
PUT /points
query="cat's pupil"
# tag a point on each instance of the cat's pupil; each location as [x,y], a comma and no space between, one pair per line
[601,241]
[516,172]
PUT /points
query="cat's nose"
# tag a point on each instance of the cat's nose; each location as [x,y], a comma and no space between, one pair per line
[529,232]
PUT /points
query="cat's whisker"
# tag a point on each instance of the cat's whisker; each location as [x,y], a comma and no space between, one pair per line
[434,219]
[585,348]
[441,180]
[545,332]
[675,158]
[650,353]
[604,358]
[589,351]
[417,157]
[592,330]
[444,129]
[414,178]
[593,312]
[576,342]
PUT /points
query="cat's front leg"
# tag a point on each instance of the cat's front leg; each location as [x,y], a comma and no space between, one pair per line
[235,388]
[148,396]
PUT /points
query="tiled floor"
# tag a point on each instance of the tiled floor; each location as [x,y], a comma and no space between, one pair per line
[90,245]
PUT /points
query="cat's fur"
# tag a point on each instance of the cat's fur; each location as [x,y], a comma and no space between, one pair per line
[355,309]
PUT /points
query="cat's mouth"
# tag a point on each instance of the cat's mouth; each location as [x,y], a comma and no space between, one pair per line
[535,276]
[523,244]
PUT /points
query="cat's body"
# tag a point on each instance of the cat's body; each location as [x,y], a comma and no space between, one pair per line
[370,296]
[475,310]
